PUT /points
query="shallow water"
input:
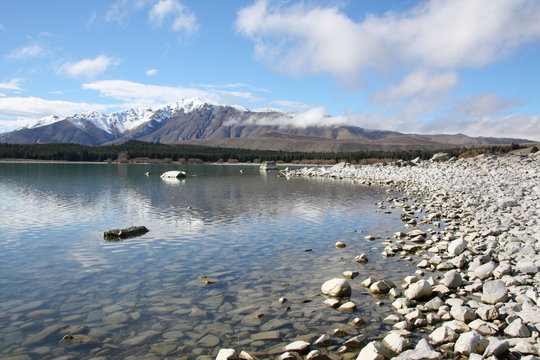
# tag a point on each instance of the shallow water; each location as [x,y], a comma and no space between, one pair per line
[146,297]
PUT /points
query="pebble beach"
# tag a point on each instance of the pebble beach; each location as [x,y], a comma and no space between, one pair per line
[472,227]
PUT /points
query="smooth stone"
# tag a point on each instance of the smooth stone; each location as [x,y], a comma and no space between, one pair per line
[267,335]
[340,244]
[298,346]
[140,338]
[317,355]
[43,334]
[356,342]
[116,318]
[164,348]
[462,313]
[485,271]
[452,279]
[397,343]
[494,292]
[517,329]
[471,343]
[336,288]
[419,290]
[349,306]
[496,347]
[381,287]
[226,354]
[375,351]
[456,247]
[443,335]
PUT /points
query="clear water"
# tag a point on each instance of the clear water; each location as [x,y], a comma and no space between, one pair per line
[146,297]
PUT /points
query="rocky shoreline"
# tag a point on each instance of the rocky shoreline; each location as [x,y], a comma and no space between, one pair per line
[473,226]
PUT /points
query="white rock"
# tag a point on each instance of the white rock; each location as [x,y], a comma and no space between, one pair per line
[340,244]
[375,351]
[486,270]
[488,313]
[462,313]
[317,355]
[362,258]
[226,354]
[456,247]
[381,287]
[350,274]
[494,292]
[418,290]
[396,342]
[298,346]
[443,335]
[349,306]
[471,343]
[517,329]
[333,303]
[496,347]
[336,288]
[483,327]
[356,342]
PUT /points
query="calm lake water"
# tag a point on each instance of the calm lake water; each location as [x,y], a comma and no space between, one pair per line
[223,247]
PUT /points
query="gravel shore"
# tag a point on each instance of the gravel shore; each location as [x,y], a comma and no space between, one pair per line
[473,226]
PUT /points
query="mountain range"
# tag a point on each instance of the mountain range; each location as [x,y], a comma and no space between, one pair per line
[196,122]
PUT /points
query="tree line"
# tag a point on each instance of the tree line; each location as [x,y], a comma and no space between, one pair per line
[133,151]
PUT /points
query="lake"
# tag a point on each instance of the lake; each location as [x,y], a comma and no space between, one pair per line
[223,247]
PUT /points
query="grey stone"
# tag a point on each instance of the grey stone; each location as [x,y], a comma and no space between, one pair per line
[452,279]
[418,290]
[494,292]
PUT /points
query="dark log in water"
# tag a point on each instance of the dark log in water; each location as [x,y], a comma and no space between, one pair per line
[117,234]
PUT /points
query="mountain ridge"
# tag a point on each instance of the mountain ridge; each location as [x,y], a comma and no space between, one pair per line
[195,121]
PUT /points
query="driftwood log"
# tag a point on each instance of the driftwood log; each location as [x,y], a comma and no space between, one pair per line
[116,234]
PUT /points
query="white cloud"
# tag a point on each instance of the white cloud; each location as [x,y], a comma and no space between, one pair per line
[488,104]
[443,34]
[12,85]
[119,9]
[138,93]
[23,110]
[151,72]
[180,17]
[419,83]
[512,125]
[27,52]
[88,68]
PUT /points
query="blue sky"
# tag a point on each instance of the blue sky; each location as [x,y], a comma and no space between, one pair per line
[438,66]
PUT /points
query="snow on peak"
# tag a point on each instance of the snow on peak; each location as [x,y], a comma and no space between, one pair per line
[47,120]
[124,120]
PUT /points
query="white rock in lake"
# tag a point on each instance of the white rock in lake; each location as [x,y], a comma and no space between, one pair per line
[381,287]
[348,306]
[298,346]
[226,354]
[336,288]
[494,292]
[418,290]
[317,355]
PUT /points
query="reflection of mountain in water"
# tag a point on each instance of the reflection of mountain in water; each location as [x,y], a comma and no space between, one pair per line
[105,196]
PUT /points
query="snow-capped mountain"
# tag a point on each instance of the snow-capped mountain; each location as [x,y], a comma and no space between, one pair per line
[224,126]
